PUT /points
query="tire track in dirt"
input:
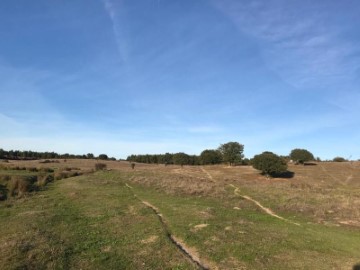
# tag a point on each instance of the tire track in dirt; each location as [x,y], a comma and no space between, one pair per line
[190,253]
[329,174]
[208,174]
[265,209]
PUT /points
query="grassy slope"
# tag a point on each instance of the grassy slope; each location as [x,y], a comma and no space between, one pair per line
[249,238]
[89,222]
[94,222]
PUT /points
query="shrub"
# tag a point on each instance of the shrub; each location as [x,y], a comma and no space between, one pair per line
[339,159]
[231,152]
[46,170]
[60,175]
[269,164]
[301,155]
[3,192]
[74,174]
[5,178]
[103,157]
[245,161]
[100,166]
[209,156]
[43,180]
[19,185]
[32,169]
[132,165]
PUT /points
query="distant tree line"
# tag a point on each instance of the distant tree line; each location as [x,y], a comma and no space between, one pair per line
[167,158]
[31,155]
[231,152]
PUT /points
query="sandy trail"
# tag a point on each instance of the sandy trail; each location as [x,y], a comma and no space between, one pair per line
[329,174]
[190,253]
[208,174]
[265,209]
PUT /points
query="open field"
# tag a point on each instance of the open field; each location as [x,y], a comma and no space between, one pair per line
[191,217]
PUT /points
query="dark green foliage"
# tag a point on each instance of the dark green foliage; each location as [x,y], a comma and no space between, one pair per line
[210,157]
[49,161]
[32,169]
[339,159]
[301,155]
[165,159]
[269,164]
[100,166]
[181,159]
[103,157]
[46,170]
[3,192]
[31,155]
[245,161]
[232,152]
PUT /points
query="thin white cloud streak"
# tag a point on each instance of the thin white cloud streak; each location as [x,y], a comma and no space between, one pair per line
[298,47]
[113,10]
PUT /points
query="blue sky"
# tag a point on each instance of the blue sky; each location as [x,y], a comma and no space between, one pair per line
[152,76]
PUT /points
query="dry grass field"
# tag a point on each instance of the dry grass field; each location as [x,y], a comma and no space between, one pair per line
[190,217]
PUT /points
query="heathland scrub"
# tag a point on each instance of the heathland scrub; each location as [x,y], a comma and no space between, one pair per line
[96,221]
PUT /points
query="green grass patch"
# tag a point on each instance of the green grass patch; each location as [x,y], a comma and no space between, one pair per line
[95,222]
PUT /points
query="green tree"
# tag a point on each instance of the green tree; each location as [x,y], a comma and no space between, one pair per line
[339,159]
[269,164]
[301,155]
[103,157]
[231,152]
[210,157]
[181,158]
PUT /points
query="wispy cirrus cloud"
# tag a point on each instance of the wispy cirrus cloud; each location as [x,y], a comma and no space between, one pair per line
[297,41]
[114,9]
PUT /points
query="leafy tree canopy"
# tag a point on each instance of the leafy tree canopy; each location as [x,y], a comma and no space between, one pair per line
[210,157]
[181,158]
[103,156]
[231,152]
[269,164]
[301,155]
[339,159]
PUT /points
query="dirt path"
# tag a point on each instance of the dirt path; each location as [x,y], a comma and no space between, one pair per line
[329,174]
[190,253]
[208,174]
[265,209]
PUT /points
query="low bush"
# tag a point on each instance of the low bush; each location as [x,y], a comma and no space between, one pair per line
[20,185]
[100,166]
[3,192]
[46,170]
[5,178]
[43,180]
[60,175]
[32,169]
[269,164]
[339,159]
[4,168]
